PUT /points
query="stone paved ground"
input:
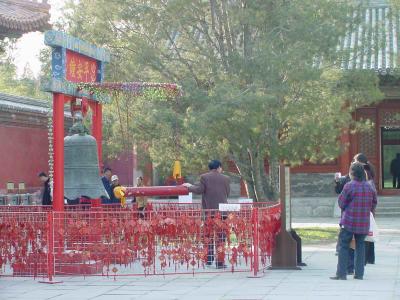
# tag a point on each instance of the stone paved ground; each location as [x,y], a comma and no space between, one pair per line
[382,280]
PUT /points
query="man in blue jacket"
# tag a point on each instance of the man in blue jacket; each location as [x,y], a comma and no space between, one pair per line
[106,179]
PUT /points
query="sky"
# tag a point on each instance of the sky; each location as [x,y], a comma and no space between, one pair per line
[29,45]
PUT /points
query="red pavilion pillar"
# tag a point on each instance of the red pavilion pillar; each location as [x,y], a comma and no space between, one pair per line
[345,158]
[58,146]
[97,115]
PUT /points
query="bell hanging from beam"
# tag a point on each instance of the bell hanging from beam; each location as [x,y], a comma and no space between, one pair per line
[81,166]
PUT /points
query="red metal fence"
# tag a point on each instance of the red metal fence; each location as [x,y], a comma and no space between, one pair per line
[111,241]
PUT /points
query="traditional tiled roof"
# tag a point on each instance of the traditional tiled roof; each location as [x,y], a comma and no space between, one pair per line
[17,103]
[27,112]
[374,43]
[21,16]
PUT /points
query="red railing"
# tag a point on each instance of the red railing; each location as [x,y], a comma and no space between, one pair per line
[169,238]
[24,243]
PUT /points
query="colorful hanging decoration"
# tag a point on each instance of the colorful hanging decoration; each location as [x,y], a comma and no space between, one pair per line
[167,239]
[23,242]
[147,89]
[50,137]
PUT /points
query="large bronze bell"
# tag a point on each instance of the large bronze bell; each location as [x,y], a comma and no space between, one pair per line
[81,167]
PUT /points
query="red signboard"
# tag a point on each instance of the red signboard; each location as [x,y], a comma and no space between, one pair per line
[80,68]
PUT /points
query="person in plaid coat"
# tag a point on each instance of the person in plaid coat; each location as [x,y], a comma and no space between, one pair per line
[357,200]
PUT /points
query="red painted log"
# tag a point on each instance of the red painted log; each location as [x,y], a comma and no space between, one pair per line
[157,191]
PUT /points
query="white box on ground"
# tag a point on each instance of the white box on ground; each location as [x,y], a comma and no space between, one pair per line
[245,200]
[229,207]
[186,198]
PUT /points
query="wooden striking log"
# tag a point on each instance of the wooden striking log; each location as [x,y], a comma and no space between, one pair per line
[157,191]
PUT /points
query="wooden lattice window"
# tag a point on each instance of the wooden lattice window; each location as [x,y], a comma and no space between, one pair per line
[367,142]
[367,138]
[390,118]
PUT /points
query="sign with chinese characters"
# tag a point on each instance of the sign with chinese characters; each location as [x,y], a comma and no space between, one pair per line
[229,207]
[245,200]
[185,198]
[80,68]
[73,61]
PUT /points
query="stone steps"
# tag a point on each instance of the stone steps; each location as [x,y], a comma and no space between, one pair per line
[387,214]
[388,207]
[391,201]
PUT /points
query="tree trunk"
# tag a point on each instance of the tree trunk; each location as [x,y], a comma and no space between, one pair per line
[250,190]
[243,163]
[258,163]
[272,136]
[273,178]
[267,187]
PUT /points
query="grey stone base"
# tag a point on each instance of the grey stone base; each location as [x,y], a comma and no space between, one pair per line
[314,206]
[313,185]
[313,195]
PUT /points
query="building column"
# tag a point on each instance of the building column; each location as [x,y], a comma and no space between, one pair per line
[345,156]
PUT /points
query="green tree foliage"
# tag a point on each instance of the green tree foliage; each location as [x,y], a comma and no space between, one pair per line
[3,45]
[262,79]
[27,85]
[395,3]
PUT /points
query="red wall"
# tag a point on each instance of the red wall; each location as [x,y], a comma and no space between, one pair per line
[24,153]
[123,166]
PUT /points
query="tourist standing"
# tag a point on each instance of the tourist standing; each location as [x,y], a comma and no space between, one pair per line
[340,181]
[357,201]
[214,188]
[106,179]
[370,177]
[46,194]
[395,171]
[141,201]
[114,185]
[368,168]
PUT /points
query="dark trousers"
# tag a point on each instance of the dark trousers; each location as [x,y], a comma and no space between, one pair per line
[345,238]
[369,256]
[215,240]
[210,253]
[369,253]
[141,212]
[396,178]
[296,237]
[350,263]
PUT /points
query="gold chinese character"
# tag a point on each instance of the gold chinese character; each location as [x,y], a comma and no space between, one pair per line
[79,71]
[93,72]
[72,68]
[86,71]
